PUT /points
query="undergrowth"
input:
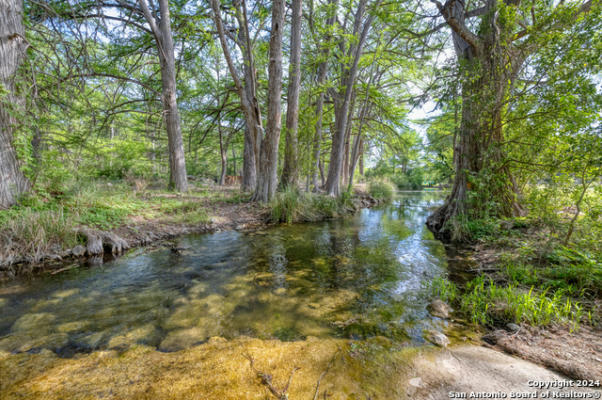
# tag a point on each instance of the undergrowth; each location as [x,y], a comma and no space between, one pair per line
[292,205]
[45,223]
[487,303]
[537,279]
[381,190]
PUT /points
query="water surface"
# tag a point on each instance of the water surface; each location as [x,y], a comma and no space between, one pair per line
[355,277]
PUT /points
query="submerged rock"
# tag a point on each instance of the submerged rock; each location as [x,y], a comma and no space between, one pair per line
[27,342]
[439,309]
[35,322]
[437,338]
[183,338]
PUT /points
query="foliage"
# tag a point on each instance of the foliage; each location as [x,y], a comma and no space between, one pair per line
[443,289]
[490,304]
[381,190]
[292,205]
[43,224]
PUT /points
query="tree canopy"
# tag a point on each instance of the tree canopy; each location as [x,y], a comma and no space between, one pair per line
[489,98]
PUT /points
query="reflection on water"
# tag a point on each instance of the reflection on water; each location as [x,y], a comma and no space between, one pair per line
[355,277]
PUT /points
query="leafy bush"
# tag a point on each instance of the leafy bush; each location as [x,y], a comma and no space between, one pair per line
[119,158]
[482,228]
[381,190]
[412,180]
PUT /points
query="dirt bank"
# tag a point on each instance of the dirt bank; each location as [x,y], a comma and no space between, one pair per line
[575,352]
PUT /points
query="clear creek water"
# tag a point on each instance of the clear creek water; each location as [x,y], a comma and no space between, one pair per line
[356,277]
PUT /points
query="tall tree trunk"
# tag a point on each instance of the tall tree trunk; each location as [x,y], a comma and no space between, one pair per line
[246,91]
[362,157]
[290,169]
[344,172]
[267,179]
[322,72]
[322,174]
[12,52]
[234,168]
[322,69]
[357,145]
[178,178]
[223,149]
[478,156]
[335,167]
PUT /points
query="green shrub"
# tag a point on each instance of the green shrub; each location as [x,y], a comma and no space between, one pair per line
[381,190]
[286,206]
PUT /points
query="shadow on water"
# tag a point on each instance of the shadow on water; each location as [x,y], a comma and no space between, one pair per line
[356,277]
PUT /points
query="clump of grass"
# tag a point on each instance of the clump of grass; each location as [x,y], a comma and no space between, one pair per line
[443,289]
[41,224]
[490,304]
[293,206]
[33,233]
[381,190]
[582,279]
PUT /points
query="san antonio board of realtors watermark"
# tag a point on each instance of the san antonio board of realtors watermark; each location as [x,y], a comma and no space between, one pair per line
[556,389]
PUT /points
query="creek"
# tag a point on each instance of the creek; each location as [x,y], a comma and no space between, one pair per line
[355,277]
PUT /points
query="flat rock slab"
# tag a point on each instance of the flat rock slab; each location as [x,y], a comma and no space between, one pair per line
[464,369]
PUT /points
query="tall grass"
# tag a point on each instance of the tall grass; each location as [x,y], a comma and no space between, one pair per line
[42,224]
[292,205]
[490,304]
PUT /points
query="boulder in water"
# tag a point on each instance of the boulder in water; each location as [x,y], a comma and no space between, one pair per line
[439,309]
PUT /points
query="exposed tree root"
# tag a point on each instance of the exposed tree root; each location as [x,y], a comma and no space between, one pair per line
[99,242]
[93,241]
[113,243]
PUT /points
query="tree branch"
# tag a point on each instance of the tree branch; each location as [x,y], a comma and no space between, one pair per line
[457,25]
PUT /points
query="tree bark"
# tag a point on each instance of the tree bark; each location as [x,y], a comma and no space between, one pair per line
[322,72]
[357,146]
[267,178]
[223,149]
[161,28]
[234,168]
[246,91]
[290,169]
[12,52]
[489,71]
[335,167]
[344,172]
[362,157]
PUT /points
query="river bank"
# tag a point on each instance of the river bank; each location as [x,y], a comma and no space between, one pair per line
[535,296]
[108,222]
[350,289]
